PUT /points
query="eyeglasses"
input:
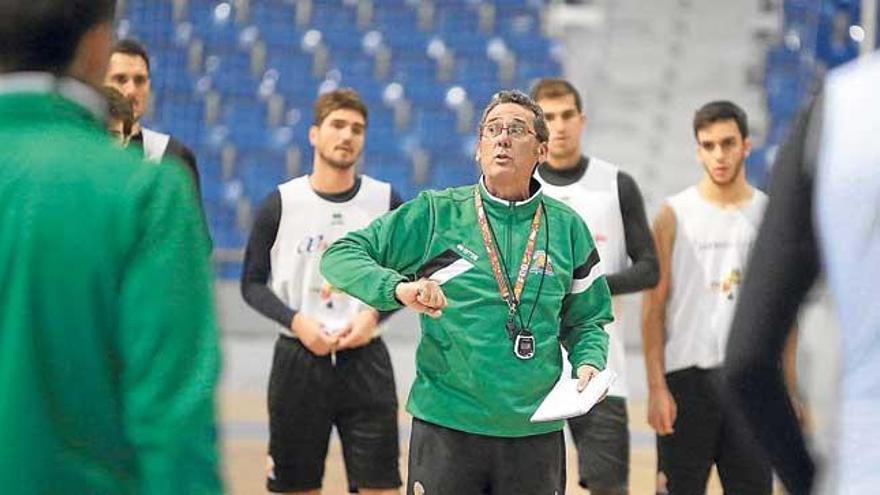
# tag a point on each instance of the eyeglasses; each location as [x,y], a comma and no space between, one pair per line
[515,130]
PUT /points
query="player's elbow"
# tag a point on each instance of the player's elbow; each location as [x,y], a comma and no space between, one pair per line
[652,272]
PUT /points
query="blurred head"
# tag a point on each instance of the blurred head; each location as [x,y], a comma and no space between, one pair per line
[565,118]
[64,37]
[120,116]
[129,72]
[339,128]
[723,144]
[512,140]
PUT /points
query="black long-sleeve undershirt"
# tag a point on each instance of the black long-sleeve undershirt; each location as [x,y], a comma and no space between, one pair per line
[644,271]
[784,264]
[257,267]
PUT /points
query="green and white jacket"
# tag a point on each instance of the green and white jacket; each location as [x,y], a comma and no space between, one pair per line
[467,376]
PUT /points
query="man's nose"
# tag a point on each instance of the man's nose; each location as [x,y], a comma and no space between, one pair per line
[504,138]
[127,88]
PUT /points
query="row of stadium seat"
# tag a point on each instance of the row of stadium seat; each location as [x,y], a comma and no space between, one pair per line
[236,81]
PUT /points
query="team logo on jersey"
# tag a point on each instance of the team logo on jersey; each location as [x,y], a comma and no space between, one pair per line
[467,253]
[540,260]
[337,219]
[312,244]
[728,283]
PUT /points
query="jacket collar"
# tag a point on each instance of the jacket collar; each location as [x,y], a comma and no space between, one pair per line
[68,88]
[534,186]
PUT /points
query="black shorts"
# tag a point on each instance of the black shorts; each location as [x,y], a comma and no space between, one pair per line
[308,395]
[602,440]
[446,461]
[708,431]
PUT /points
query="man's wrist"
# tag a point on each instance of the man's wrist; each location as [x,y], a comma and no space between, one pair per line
[657,385]
[375,314]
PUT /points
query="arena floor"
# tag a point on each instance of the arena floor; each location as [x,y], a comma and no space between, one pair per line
[244,448]
[248,342]
[245,432]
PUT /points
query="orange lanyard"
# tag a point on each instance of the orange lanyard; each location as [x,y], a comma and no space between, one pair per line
[492,250]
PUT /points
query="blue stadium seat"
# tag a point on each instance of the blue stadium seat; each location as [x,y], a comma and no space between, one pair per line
[219,33]
[222,224]
[333,15]
[232,75]
[448,172]
[246,121]
[260,172]
[833,42]
[398,23]
[455,20]
[273,16]
[438,129]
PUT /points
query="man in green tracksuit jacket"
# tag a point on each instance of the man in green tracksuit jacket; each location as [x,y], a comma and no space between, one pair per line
[108,342]
[519,273]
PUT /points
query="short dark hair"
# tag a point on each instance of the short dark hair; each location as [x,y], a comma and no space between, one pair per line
[518,97]
[43,35]
[337,99]
[552,87]
[134,48]
[119,108]
[717,111]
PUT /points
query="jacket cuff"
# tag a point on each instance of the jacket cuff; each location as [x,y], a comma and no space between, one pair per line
[389,299]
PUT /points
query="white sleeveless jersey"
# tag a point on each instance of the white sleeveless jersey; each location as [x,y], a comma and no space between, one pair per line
[712,246]
[155,144]
[310,223]
[595,198]
[847,206]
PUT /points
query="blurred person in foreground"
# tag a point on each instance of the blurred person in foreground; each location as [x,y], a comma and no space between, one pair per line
[823,216]
[501,274]
[108,344]
[610,202]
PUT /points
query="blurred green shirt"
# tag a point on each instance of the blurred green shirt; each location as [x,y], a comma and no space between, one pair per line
[108,342]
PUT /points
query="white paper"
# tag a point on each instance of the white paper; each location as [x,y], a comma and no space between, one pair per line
[564,401]
[332,327]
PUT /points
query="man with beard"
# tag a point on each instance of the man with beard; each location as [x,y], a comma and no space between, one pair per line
[330,366]
[704,235]
[120,117]
[129,72]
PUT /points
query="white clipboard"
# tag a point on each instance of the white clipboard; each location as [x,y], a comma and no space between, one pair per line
[564,401]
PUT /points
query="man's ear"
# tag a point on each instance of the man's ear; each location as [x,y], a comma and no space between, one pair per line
[313,135]
[542,152]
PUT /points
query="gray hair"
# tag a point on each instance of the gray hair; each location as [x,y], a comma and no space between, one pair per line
[523,100]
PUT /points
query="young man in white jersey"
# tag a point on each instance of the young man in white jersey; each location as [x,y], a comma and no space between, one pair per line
[611,204]
[330,367]
[704,235]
